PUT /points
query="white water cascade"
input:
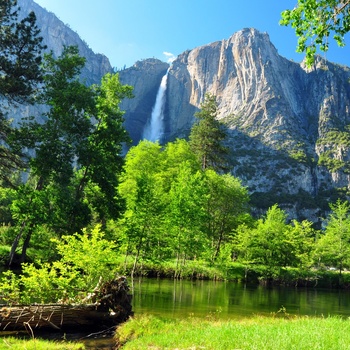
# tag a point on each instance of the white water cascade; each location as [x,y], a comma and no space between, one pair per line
[155,127]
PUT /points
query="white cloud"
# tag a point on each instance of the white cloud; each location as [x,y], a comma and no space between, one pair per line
[170,56]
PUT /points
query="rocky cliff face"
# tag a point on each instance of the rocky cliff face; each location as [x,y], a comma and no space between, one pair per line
[287,124]
[145,76]
[56,35]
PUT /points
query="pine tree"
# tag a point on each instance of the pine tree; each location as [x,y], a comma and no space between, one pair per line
[207,136]
[20,70]
[20,53]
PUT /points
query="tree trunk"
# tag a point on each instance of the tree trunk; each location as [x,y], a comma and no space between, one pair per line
[13,249]
[39,187]
[136,259]
[25,247]
[52,316]
[218,246]
[111,305]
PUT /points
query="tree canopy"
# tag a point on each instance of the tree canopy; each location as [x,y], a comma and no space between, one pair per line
[174,208]
[77,152]
[315,21]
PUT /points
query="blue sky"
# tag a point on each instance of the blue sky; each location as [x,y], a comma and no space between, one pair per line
[130,30]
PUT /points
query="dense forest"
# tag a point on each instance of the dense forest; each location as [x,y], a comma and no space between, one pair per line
[75,207]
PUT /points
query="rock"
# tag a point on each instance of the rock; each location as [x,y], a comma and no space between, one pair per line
[56,35]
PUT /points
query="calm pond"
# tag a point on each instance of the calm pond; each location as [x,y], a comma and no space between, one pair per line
[177,299]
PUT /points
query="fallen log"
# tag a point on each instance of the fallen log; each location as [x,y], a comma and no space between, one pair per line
[108,306]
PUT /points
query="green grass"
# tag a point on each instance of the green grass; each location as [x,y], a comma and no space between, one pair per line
[260,333]
[36,344]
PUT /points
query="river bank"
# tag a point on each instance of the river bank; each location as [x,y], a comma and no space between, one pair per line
[310,277]
[223,310]
[315,277]
[274,333]
[278,332]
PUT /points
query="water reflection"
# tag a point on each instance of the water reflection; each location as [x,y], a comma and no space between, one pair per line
[178,299]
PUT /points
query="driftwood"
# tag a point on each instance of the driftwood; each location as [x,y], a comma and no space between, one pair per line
[109,305]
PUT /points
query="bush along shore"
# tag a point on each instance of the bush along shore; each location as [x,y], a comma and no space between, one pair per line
[237,272]
[80,292]
[315,277]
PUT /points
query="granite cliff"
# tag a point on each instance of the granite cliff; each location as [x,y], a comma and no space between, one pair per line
[56,35]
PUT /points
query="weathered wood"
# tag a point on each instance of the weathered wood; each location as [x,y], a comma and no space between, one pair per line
[108,306]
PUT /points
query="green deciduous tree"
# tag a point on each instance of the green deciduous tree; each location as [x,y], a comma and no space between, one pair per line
[227,207]
[315,21]
[64,133]
[74,172]
[141,188]
[102,159]
[186,215]
[274,248]
[267,243]
[174,154]
[302,235]
[333,247]
[207,136]
[162,203]
[274,243]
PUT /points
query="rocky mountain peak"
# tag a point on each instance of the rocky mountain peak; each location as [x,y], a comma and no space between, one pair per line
[239,71]
[252,38]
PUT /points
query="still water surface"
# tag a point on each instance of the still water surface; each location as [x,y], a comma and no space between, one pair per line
[178,299]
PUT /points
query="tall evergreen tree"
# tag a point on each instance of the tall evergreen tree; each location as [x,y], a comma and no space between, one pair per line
[20,69]
[20,53]
[207,136]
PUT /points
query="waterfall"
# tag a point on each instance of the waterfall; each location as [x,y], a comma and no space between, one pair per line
[154,128]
